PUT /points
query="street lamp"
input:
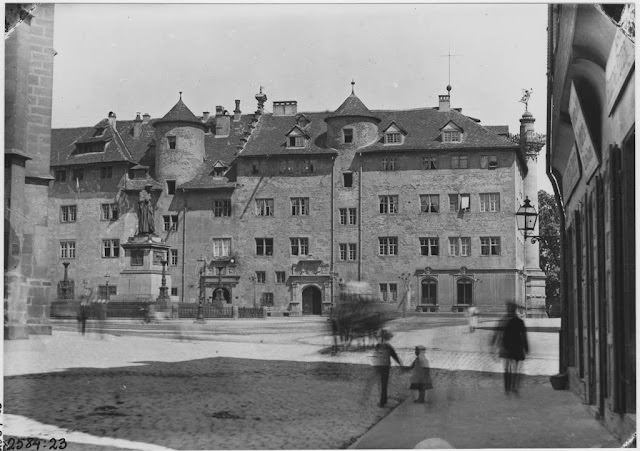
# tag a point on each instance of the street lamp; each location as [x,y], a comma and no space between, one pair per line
[252,278]
[526,218]
[201,294]
[106,276]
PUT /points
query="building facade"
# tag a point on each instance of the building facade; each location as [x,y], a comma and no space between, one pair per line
[591,162]
[279,208]
[28,72]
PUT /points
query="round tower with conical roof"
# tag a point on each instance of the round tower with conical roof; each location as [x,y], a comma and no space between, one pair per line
[352,125]
[179,144]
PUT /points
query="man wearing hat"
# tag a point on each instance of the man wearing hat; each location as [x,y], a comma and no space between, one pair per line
[382,363]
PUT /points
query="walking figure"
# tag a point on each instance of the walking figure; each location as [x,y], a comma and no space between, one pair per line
[511,337]
[472,314]
[382,356]
[420,374]
[82,316]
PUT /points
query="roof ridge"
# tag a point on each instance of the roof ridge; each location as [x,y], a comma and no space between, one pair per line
[121,142]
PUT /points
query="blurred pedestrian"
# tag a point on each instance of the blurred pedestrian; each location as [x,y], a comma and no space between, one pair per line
[472,315]
[82,316]
[382,356]
[420,374]
[511,338]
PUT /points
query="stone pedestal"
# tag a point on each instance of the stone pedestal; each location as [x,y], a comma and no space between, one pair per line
[536,293]
[142,277]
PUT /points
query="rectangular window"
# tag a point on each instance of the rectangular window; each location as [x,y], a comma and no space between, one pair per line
[280,276]
[429,203]
[488,162]
[255,169]
[490,245]
[348,135]
[451,136]
[171,186]
[106,172]
[307,167]
[353,253]
[261,277]
[454,248]
[388,245]
[429,246]
[61,175]
[388,164]
[343,216]
[110,248]
[490,202]
[78,174]
[68,213]
[353,216]
[222,207]
[299,206]
[264,207]
[460,246]
[459,162]
[347,179]
[109,212]
[389,292]
[221,247]
[388,204]
[173,261]
[299,246]
[137,257]
[174,291]
[67,249]
[170,222]
[429,163]
[102,291]
[266,300]
[392,138]
[459,202]
[172,142]
[342,254]
[264,246]
[296,141]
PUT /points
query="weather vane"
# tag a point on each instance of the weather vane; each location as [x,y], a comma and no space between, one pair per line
[526,94]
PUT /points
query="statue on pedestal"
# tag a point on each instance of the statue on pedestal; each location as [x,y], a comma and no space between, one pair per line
[146,225]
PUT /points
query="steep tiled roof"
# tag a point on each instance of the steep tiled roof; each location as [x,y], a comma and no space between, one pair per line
[498,129]
[422,127]
[180,113]
[352,106]
[206,180]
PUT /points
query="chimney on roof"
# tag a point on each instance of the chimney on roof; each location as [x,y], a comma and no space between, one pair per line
[219,110]
[205,116]
[444,103]
[112,119]
[146,117]
[285,108]
[137,126]
[223,122]
[261,98]
[237,112]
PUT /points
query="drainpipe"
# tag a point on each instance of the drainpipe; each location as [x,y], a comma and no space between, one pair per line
[332,255]
[360,216]
[184,240]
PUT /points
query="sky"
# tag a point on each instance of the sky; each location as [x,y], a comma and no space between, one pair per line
[131,58]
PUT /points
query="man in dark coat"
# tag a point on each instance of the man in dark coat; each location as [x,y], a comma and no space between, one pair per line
[511,337]
[383,354]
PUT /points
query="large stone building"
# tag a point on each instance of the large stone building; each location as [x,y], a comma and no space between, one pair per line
[27,142]
[591,161]
[278,208]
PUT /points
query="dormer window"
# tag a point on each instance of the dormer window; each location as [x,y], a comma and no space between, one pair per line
[172,142]
[219,171]
[348,135]
[451,136]
[296,141]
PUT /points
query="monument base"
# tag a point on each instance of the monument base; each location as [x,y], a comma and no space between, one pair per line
[142,278]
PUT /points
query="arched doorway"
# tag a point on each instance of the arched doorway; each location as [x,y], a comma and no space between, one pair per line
[465,291]
[311,301]
[429,290]
[221,294]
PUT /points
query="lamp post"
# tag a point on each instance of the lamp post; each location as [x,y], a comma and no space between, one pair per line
[252,278]
[106,276]
[200,313]
[526,218]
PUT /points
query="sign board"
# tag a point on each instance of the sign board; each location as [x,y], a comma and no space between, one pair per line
[571,174]
[621,60]
[587,151]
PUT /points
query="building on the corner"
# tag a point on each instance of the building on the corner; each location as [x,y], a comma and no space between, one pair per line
[279,208]
[591,162]
[28,88]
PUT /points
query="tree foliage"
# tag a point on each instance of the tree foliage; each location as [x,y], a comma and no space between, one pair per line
[549,227]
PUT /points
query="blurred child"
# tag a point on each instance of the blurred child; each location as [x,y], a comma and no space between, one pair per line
[420,374]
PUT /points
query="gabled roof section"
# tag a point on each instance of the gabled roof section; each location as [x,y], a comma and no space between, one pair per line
[296,130]
[180,113]
[393,127]
[451,125]
[206,179]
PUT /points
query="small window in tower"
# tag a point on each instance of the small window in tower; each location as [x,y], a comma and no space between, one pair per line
[171,186]
[348,135]
[172,142]
[347,178]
